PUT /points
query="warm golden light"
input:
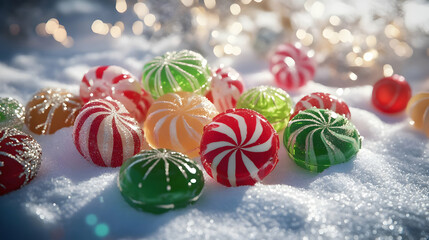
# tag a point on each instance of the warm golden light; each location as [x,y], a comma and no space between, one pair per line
[353,76]
[149,20]
[300,34]
[121,6]
[307,40]
[235,9]
[115,31]
[236,51]
[368,56]
[121,25]
[218,51]
[235,28]
[391,31]
[51,25]
[371,41]
[345,36]
[228,49]
[68,42]
[187,3]
[317,9]
[210,4]
[334,20]
[99,27]
[60,34]
[40,30]
[246,1]
[140,9]
[387,70]
[358,61]
[327,32]
[137,28]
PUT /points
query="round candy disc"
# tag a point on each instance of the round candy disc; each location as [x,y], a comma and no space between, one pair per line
[239,147]
[274,103]
[318,138]
[51,109]
[176,120]
[104,133]
[176,71]
[323,101]
[226,87]
[391,94]
[11,113]
[418,111]
[159,180]
[119,84]
[291,66]
[20,158]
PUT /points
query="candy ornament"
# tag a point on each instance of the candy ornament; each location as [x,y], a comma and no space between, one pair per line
[175,121]
[323,101]
[418,111]
[391,94]
[318,138]
[159,180]
[118,84]
[51,109]
[176,71]
[239,147]
[274,103]
[105,133]
[12,113]
[20,158]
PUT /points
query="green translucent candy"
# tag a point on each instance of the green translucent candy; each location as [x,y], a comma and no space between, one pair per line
[159,180]
[274,103]
[185,71]
[318,138]
[12,113]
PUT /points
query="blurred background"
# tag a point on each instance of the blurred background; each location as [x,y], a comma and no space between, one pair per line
[353,42]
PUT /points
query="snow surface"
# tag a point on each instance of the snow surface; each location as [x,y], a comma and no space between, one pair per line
[383,192]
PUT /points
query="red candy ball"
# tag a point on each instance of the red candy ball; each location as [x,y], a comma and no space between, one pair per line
[291,67]
[239,147]
[20,158]
[104,133]
[323,101]
[391,94]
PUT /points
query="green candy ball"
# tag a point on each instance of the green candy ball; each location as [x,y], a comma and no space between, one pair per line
[12,113]
[185,71]
[318,138]
[159,180]
[274,103]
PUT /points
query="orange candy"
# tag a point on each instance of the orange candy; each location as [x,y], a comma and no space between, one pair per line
[176,120]
[418,111]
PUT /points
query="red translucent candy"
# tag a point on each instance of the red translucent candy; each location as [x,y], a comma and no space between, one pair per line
[391,94]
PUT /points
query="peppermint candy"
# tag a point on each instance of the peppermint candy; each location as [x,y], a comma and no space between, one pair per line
[119,84]
[291,67]
[239,147]
[323,101]
[104,133]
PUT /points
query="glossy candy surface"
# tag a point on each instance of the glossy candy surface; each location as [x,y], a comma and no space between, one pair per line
[323,101]
[239,147]
[418,111]
[159,180]
[104,133]
[391,94]
[318,138]
[291,66]
[119,84]
[175,121]
[226,87]
[176,71]
[20,158]
[12,113]
[51,109]
[274,103]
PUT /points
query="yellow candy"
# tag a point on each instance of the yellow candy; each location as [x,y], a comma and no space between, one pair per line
[418,111]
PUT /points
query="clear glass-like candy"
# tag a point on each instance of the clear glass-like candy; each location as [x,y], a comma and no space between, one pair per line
[274,103]
[159,180]
[318,138]
[12,113]
[391,94]
[176,71]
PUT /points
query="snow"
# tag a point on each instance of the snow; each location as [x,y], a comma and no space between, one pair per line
[383,192]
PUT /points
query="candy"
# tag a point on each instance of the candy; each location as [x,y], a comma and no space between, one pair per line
[175,121]
[20,158]
[176,71]
[11,113]
[318,138]
[418,111]
[119,84]
[391,94]
[291,66]
[50,110]
[323,101]
[239,147]
[274,103]
[226,87]
[105,133]
[159,180]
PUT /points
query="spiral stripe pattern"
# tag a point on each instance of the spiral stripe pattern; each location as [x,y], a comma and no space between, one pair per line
[323,101]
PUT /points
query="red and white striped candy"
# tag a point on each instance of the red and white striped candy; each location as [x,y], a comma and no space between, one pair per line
[291,67]
[239,147]
[226,88]
[119,84]
[323,101]
[105,133]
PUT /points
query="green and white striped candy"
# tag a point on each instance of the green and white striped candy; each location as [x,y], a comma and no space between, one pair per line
[185,71]
[318,138]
